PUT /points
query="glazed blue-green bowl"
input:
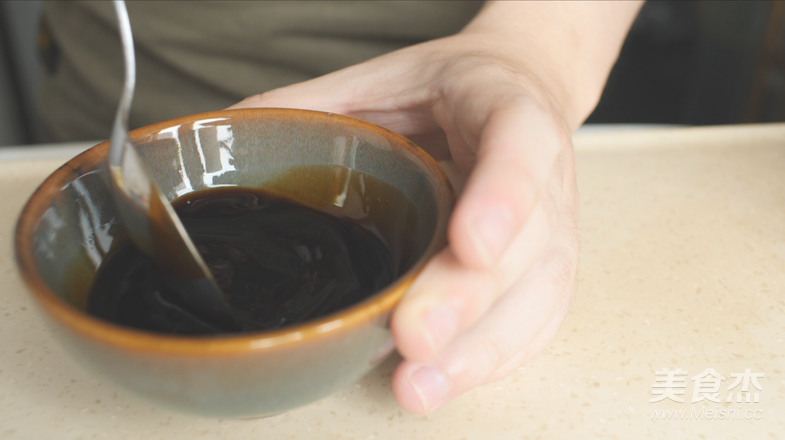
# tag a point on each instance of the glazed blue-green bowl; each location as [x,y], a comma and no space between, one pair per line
[69,226]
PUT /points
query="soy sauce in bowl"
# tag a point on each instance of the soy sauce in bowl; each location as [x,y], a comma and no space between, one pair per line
[278,261]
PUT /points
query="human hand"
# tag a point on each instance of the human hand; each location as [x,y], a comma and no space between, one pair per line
[502,107]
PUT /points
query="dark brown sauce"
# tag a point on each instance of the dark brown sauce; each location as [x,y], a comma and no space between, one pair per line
[278,262]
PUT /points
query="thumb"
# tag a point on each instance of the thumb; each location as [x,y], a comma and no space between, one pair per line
[354,89]
[381,91]
[322,94]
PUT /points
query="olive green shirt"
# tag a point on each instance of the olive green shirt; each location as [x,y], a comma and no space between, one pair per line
[194,57]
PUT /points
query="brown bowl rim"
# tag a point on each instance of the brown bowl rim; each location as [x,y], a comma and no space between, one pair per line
[139,340]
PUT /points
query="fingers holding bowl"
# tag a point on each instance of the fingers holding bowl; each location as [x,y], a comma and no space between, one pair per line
[461,326]
[515,328]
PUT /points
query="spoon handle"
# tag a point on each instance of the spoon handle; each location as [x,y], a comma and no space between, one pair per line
[120,127]
[147,215]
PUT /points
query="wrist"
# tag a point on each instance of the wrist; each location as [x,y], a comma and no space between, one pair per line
[565,48]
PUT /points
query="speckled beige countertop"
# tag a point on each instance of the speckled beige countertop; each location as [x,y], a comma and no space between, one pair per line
[683,266]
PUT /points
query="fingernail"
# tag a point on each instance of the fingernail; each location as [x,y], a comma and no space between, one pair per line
[431,386]
[491,233]
[441,324]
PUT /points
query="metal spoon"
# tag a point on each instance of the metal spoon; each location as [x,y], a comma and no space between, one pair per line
[149,218]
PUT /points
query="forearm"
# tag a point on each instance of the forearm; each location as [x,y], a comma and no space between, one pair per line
[569,47]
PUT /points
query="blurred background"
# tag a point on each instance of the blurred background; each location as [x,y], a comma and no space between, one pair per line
[684,62]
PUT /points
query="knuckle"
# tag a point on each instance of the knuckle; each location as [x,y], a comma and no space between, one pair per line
[493,349]
[515,362]
[477,293]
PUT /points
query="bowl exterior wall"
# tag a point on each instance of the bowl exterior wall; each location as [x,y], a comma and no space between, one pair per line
[255,383]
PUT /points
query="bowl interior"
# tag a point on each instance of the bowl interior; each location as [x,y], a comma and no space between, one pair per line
[319,159]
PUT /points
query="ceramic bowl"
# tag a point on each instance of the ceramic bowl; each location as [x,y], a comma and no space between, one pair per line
[69,226]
